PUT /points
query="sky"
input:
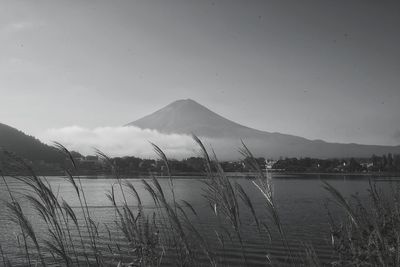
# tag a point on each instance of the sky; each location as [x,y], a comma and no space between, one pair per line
[318,69]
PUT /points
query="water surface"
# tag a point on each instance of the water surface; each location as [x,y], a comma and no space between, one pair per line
[301,203]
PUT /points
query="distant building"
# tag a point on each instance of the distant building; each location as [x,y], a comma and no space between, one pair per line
[269,163]
[367,165]
[90,162]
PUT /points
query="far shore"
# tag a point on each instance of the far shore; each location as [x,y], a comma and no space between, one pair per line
[279,175]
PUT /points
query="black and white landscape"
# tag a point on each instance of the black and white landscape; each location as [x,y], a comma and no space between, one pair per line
[199,133]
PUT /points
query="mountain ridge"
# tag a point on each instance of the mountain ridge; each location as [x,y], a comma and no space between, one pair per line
[26,146]
[186,116]
[179,107]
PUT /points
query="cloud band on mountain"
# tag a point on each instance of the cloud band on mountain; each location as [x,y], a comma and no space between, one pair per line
[121,141]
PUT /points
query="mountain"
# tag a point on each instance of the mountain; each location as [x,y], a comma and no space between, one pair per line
[26,146]
[187,116]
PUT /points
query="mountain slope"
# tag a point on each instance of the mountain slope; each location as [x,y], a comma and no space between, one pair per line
[26,146]
[188,116]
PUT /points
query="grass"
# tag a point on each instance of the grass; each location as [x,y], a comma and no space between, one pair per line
[371,234]
[173,233]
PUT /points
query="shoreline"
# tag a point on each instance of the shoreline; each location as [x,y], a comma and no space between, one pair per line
[278,175]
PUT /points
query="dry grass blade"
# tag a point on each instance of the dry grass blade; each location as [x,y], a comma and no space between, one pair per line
[65,151]
[70,212]
[71,179]
[104,157]
[43,212]
[204,152]
[187,204]
[17,216]
[250,159]
[4,258]
[311,258]
[264,185]
[162,156]
[247,201]
[134,192]
[341,201]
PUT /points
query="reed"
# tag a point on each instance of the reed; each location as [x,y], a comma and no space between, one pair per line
[172,233]
[369,235]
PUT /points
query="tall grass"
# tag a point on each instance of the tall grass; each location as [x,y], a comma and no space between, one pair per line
[370,236]
[173,234]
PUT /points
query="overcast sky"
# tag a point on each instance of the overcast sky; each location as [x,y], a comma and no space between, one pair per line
[319,69]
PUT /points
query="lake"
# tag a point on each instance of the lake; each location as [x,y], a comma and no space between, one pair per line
[300,199]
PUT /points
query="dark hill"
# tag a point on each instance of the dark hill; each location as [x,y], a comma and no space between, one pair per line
[26,146]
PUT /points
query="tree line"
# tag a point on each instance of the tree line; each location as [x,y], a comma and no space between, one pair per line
[133,166]
[195,165]
[384,163]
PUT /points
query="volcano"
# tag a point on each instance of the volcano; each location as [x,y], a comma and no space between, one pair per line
[189,117]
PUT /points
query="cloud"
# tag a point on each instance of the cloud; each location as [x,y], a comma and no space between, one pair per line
[121,141]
